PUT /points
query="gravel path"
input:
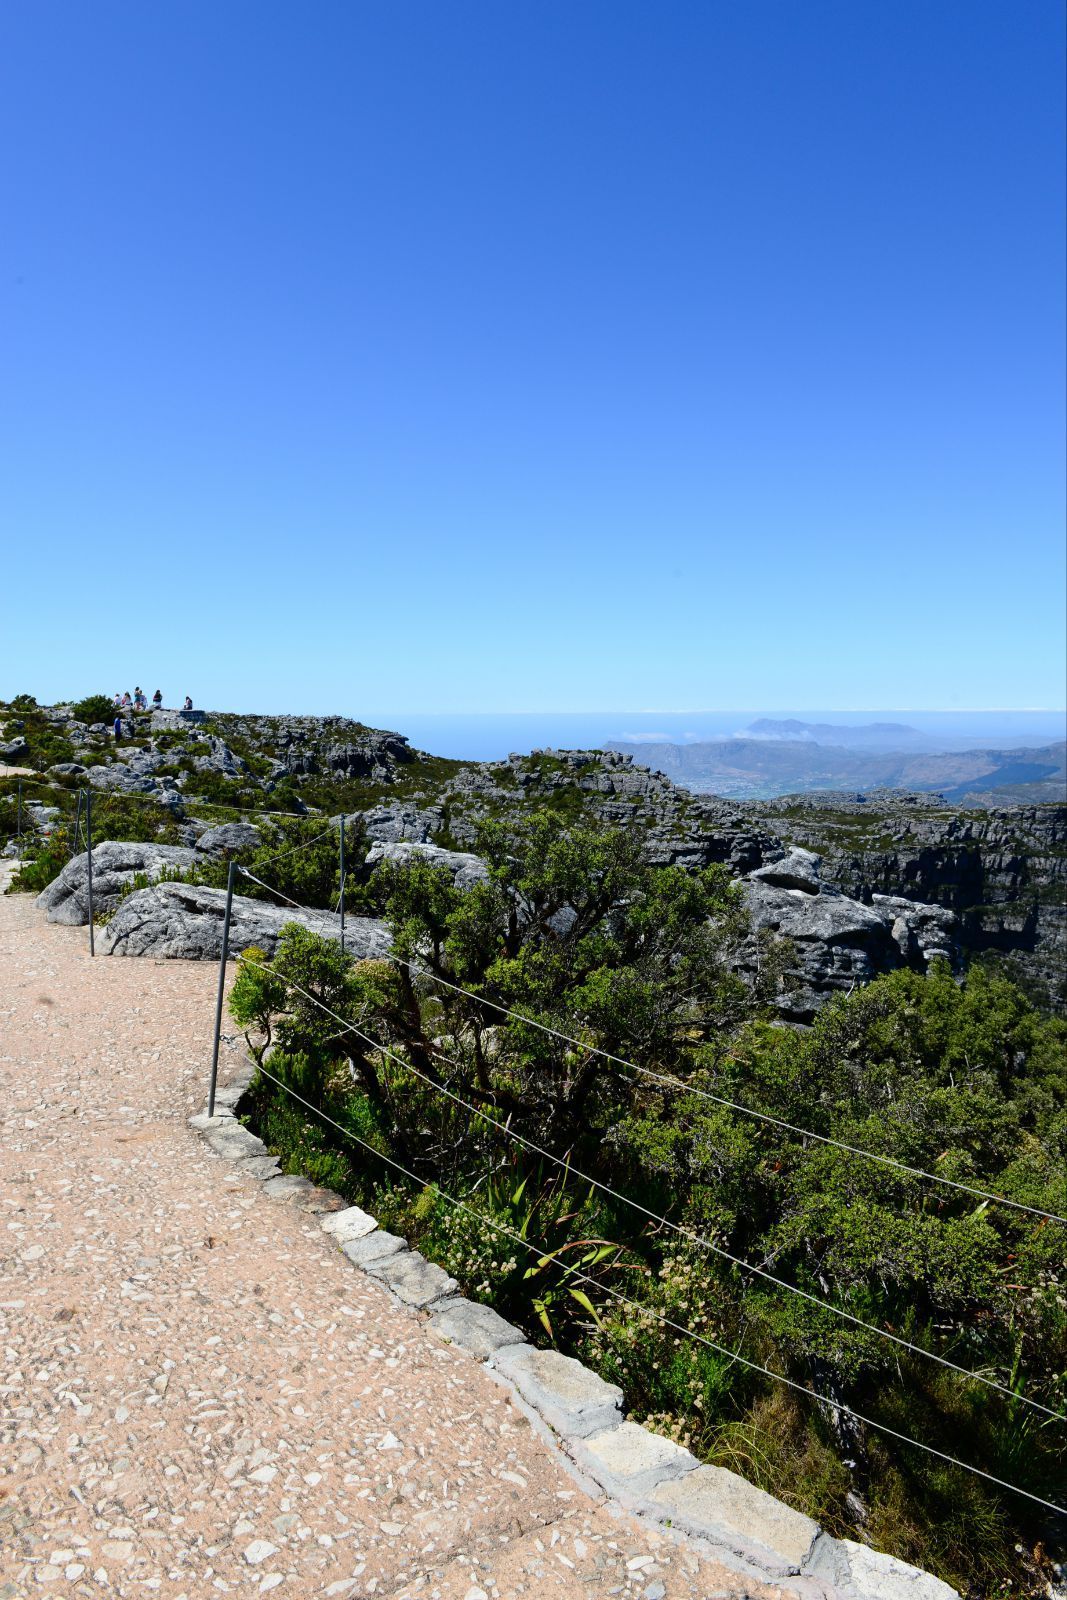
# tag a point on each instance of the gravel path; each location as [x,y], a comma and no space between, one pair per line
[198,1393]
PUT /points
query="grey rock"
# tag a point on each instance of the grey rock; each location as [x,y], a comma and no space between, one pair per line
[121,777]
[372,1247]
[290,1186]
[396,824]
[728,1510]
[261,1166]
[235,1142]
[115,865]
[16,750]
[165,719]
[352,1223]
[879,1577]
[837,942]
[184,921]
[567,1395]
[797,869]
[229,1093]
[229,838]
[221,1119]
[171,800]
[220,759]
[629,1460]
[920,931]
[1001,868]
[413,1279]
[68,769]
[44,817]
[464,869]
[306,1196]
[474,1327]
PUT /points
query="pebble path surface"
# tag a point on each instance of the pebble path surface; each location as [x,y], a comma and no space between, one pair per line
[198,1393]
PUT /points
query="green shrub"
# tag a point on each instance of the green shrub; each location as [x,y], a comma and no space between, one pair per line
[94,708]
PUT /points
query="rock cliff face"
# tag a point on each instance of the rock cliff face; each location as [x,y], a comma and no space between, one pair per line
[328,747]
[1003,872]
[835,942]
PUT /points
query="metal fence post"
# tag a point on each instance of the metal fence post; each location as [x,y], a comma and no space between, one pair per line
[89,848]
[342,881]
[77,825]
[19,834]
[222,984]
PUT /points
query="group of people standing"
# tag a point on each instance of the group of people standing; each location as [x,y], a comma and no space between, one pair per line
[138,701]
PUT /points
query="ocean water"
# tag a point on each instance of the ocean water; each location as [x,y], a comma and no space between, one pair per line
[492,736]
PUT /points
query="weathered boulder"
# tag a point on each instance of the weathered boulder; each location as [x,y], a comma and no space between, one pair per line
[221,760]
[464,869]
[396,824]
[164,719]
[128,776]
[228,838]
[797,869]
[115,865]
[838,943]
[184,921]
[17,750]
[68,769]
[920,931]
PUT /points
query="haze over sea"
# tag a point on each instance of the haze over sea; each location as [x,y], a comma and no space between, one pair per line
[492,736]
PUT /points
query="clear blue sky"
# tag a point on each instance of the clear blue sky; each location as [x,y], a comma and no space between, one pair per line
[449,356]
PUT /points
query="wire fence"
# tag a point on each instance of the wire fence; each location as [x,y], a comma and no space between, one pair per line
[661,1320]
[750,1267]
[986,1195]
[670,1081]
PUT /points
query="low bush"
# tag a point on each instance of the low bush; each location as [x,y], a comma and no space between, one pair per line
[94,708]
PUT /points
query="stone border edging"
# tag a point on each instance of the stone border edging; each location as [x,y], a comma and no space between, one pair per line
[577,1412]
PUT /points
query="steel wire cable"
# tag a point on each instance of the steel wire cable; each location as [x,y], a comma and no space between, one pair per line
[292,849]
[686,1233]
[664,1321]
[704,1094]
[733,1105]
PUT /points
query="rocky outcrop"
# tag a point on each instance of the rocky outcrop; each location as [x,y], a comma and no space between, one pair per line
[464,869]
[1002,872]
[165,720]
[838,943]
[221,759]
[922,933]
[115,866]
[184,921]
[328,747]
[396,824]
[229,838]
[131,772]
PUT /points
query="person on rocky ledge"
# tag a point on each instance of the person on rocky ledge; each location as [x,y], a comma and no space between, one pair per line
[188,706]
[157,700]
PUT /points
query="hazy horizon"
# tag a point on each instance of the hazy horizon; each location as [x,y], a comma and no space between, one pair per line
[491,736]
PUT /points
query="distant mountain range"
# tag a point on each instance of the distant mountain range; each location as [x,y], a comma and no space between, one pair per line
[789,757]
[868,736]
